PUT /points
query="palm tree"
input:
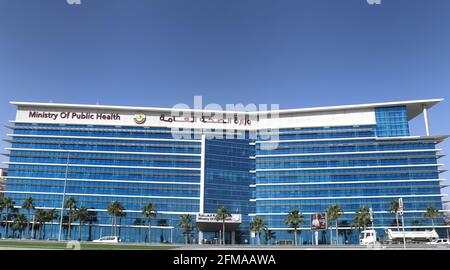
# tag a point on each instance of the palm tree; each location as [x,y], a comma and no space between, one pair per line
[139,222]
[71,204]
[294,220]
[121,216]
[431,213]
[149,212]
[41,218]
[269,235]
[28,204]
[257,225]
[345,223]
[416,223]
[116,209]
[20,224]
[92,218]
[221,215]
[51,216]
[362,218]
[186,224]
[162,223]
[394,207]
[81,215]
[65,225]
[334,211]
[15,227]
[8,205]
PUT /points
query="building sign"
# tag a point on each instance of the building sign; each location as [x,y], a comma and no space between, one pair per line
[206,119]
[172,118]
[233,218]
[319,221]
[73,115]
[129,118]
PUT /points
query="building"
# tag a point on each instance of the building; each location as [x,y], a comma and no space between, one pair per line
[262,163]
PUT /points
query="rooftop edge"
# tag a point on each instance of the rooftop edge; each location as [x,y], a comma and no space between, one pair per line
[414,107]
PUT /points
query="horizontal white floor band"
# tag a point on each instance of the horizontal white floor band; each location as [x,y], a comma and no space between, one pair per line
[102,166]
[126,211]
[103,138]
[103,180]
[354,138]
[55,223]
[350,167]
[347,197]
[345,212]
[102,195]
[348,182]
[341,158]
[350,153]
[102,152]
[316,140]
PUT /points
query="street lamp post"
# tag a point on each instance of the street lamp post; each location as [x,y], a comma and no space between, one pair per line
[63,197]
[373,228]
[400,208]
[403,226]
[32,227]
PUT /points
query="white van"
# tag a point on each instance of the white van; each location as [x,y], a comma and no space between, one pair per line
[108,239]
[440,241]
[368,237]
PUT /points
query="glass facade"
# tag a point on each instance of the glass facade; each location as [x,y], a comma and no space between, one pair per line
[307,168]
[352,166]
[148,167]
[227,181]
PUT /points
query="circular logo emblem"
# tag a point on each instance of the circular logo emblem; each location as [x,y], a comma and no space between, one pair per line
[139,118]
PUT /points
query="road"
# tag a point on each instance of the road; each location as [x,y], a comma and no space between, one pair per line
[321,247]
[54,245]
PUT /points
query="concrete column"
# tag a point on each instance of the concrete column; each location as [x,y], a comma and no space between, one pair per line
[200,237]
[425,118]
[233,237]
[202,173]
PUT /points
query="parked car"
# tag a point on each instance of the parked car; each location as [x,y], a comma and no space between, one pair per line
[108,239]
[440,241]
[285,242]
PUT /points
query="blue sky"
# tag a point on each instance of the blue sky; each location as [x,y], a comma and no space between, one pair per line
[299,53]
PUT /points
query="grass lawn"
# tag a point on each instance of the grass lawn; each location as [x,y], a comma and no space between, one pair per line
[84,246]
